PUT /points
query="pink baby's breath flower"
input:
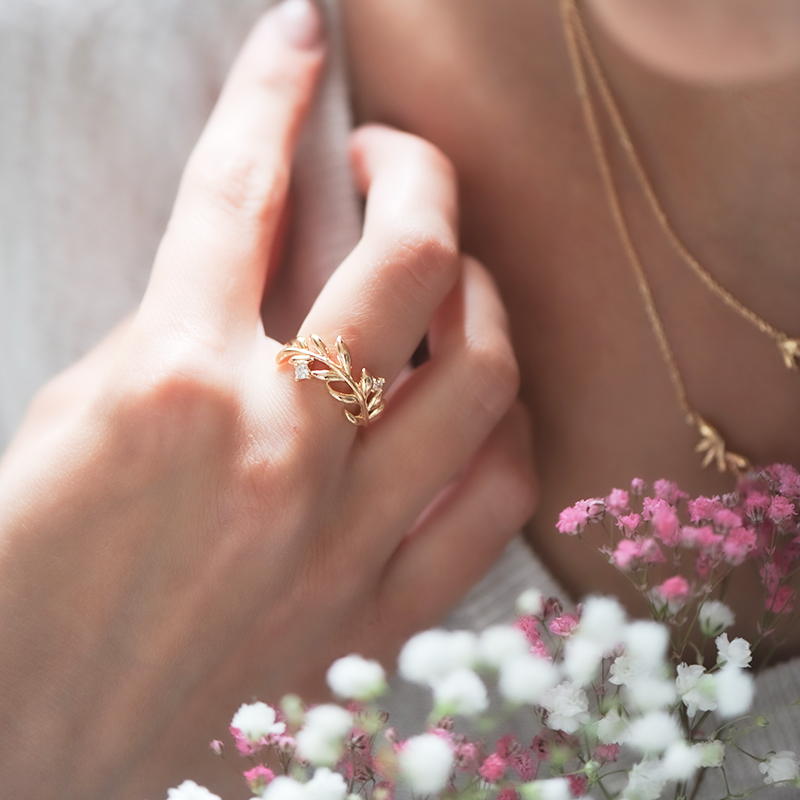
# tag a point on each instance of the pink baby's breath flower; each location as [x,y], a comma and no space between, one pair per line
[524,766]
[788,480]
[243,744]
[782,601]
[688,536]
[726,519]
[665,523]
[572,520]
[649,505]
[650,552]
[756,505]
[467,756]
[563,626]
[606,753]
[637,486]
[578,784]
[553,607]
[668,491]
[738,544]
[617,502]
[530,627]
[540,747]
[626,554]
[541,650]
[703,566]
[595,508]
[629,523]
[285,743]
[258,778]
[674,590]
[493,768]
[445,733]
[509,793]
[516,757]
[707,540]
[780,509]
[704,508]
[217,746]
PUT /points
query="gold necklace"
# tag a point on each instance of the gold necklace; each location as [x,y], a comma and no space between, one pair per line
[712,446]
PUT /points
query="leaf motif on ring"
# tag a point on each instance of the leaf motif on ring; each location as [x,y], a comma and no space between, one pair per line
[366,393]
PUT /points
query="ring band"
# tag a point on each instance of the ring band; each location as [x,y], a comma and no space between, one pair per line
[364,395]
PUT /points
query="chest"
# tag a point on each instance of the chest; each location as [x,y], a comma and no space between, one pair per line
[496,94]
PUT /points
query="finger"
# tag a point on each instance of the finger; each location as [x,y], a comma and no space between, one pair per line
[440,416]
[383,296]
[465,531]
[212,261]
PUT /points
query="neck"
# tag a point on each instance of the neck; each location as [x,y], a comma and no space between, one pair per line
[725,163]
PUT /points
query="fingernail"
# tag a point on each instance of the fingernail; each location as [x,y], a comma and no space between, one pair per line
[300,23]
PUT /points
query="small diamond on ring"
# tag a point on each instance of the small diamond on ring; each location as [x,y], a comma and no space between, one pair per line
[301,371]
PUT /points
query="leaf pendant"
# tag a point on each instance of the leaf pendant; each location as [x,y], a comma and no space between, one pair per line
[714,449]
[790,352]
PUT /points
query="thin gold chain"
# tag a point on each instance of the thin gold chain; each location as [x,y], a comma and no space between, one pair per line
[711,445]
[788,347]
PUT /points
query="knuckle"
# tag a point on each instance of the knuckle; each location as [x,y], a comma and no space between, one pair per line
[433,159]
[244,184]
[424,260]
[184,405]
[494,372]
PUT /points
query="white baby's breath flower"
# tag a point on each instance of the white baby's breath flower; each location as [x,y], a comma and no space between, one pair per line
[530,603]
[650,693]
[326,785]
[612,728]
[430,655]
[567,707]
[646,644]
[426,762]
[679,762]
[624,668]
[499,643]
[582,659]
[284,788]
[646,781]
[653,733]
[321,739]
[549,789]
[714,617]
[357,678]
[524,678]
[779,767]
[709,754]
[461,692]
[189,790]
[256,720]
[734,690]
[736,653]
[696,688]
[602,621]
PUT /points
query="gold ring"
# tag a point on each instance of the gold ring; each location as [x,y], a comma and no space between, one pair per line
[364,396]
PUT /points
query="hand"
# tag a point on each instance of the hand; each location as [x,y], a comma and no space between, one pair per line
[183,526]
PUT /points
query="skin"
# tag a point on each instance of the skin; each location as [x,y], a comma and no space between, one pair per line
[490,84]
[206,529]
[170,469]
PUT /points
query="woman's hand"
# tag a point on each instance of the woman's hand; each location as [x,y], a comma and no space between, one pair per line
[183,526]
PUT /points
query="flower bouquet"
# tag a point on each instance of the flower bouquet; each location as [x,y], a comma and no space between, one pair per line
[636,710]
